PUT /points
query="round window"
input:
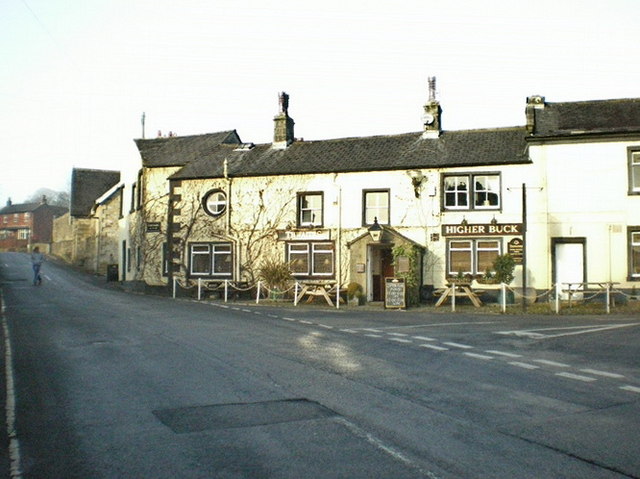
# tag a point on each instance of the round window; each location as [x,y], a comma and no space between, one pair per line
[215,202]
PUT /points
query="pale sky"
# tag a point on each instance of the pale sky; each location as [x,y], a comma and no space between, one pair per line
[76,75]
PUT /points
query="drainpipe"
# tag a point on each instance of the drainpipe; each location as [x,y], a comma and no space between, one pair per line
[339,272]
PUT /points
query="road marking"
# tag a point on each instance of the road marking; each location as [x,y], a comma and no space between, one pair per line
[325,326]
[304,321]
[435,348]
[478,356]
[502,353]
[10,405]
[524,365]
[633,389]
[534,334]
[222,306]
[458,345]
[577,377]
[551,363]
[423,338]
[289,319]
[349,331]
[371,335]
[275,316]
[258,313]
[398,334]
[400,340]
[246,310]
[602,373]
[371,330]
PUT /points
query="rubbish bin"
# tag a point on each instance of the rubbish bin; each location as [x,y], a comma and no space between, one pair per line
[112,272]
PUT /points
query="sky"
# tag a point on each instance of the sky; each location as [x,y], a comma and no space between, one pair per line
[76,76]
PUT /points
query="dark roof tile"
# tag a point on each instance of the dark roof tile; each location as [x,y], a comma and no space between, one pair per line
[87,186]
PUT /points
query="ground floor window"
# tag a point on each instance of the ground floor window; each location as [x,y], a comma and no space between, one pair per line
[23,234]
[472,256]
[210,260]
[311,259]
[634,253]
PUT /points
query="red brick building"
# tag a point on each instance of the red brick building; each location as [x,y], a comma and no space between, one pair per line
[27,224]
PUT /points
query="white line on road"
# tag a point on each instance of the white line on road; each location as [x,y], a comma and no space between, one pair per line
[325,326]
[423,338]
[349,331]
[400,340]
[577,377]
[524,365]
[551,363]
[289,319]
[633,389]
[371,335]
[398,334]
[246,310]
[458,345]
[10,406]
[502,353]
[602,373]
[371,330]
[304,321]
[478,356]
[534,334]
[435,348]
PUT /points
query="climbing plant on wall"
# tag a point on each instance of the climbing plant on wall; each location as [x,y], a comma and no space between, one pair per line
[409,256]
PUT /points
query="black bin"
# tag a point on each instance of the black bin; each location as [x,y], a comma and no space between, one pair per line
[112,272]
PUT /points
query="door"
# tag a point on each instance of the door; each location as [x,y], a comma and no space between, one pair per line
[569,264]
[381,266]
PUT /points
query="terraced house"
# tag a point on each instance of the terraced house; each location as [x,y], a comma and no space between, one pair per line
[561,193]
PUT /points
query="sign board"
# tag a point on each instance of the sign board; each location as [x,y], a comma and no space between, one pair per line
[394,293]
[304,235]
[515,249]
[153,227]
[491,229]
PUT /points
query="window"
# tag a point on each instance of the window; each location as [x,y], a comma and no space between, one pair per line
[16,216]
[634,172]
[376,205]
[23,234]
[463,192]
[634,253]
[133,198]
[312,259]
[215,202]
[471,256]
[310,209]
[211,260]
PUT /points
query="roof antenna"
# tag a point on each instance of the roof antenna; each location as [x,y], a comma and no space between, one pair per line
[142,120]
[432,88]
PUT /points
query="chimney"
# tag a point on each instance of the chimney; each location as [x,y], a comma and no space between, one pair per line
[9,203]
[432,116]
[43,201]
[534,102]
[283,128]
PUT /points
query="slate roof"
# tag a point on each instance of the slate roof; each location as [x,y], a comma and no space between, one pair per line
[588,118]
[376,153]
[180,150]
[88,185]
[20,208]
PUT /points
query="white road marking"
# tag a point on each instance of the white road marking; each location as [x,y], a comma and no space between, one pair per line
[349,331]
[398,334]
[478,356]
[633,389]
[524,365]
[258,313]
[423,338]
[246,310]
[222,306]
[10,405]
[458,345]
[371,330]
[534,334]
[577,377]
[551,363]
[400,340]
[289,319]
[371,335]
[435,348]
[325,326]
[502,353]
[275,316]
[304,321]
[602,373]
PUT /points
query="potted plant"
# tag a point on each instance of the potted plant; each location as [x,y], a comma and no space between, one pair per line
[354,293]
[276,276]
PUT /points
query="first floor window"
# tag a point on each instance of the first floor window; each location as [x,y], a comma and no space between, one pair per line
[311,259]
[376,206]
[310,209]
[634,172]
[473,257]
[634,253]
[465,192]
[210,259]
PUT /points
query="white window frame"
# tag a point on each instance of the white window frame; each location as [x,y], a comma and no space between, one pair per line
[316,211]
[376,205]
[470,192]
[473,249]
[213,251]
[214,202]
[634,172]
[634,242]
[312,251]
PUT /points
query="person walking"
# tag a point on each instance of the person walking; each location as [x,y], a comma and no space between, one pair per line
[37,258]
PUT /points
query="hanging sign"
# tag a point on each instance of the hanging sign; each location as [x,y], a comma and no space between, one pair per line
[515,249]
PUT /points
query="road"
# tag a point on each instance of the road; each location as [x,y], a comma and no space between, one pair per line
[107,384]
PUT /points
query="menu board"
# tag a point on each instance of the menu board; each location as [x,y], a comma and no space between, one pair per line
[395,293]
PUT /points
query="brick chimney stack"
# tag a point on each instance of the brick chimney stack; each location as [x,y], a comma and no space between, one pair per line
[283,128]
[534,102]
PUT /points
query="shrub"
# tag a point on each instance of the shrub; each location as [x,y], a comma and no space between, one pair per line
[276,274]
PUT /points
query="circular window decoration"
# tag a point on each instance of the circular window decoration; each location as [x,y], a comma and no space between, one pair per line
[215,202]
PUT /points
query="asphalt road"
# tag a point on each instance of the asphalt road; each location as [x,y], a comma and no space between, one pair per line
[113,384]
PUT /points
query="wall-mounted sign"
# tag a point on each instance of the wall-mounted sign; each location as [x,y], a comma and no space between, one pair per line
[497,229]
[153,227]
[394,293]
[304,235]
[515,249]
